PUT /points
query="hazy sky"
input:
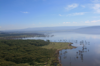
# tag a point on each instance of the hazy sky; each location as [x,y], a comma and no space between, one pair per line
[19,14]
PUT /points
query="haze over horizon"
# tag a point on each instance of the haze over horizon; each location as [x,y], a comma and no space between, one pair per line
[21,14]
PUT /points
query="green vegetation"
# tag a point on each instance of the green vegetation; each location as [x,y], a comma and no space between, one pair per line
[24,53]
[30,52]
[58,45]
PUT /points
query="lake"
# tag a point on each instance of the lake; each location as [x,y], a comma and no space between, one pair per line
[87,52]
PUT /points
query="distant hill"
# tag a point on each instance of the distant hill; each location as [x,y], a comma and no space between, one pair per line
[77,29]
[89,30]
[46,29]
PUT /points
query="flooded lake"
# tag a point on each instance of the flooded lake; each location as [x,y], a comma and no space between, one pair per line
[87,52]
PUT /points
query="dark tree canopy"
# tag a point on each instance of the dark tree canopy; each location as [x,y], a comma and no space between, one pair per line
[13,52]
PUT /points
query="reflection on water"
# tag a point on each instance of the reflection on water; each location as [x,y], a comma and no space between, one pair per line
[87,52]
[79,53]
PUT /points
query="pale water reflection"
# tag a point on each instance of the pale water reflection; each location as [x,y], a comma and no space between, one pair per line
[87,52]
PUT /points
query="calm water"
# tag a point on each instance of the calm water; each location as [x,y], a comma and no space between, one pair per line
[87,52]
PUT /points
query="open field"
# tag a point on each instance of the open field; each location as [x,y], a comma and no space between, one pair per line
[58,45]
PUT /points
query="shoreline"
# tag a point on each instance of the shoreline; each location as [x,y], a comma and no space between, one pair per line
[58,46]
[57,51]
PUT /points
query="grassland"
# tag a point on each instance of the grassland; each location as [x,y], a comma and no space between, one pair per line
[58,45]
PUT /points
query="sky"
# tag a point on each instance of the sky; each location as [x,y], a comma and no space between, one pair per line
[20,14]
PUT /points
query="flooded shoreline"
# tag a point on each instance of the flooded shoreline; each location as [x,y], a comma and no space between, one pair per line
[58,54]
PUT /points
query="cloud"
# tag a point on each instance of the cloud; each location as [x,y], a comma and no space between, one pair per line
[81,13]
[25,12]
[60,15]
[74,14]
[72,6]
[96,7]
[94,21]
